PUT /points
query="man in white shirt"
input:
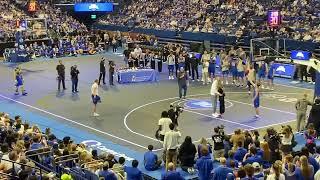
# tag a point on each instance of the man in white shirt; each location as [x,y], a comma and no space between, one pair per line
[164,123]
[95,96]
[214,94]
[171,144]
[171,62]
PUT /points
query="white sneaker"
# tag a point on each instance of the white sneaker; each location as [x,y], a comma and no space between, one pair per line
[198,80]
[249,92]
[257,116]
[215,115]
[169,77]
[96,114]
[262,87]
[227,83]
[172,77]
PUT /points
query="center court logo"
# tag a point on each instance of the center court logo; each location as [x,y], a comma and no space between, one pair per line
[98,145]
[203,104]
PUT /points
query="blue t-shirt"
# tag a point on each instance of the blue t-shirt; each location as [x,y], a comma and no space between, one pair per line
[221,173]
[314,163]
[271,70]
[236,163]
[205,166]
[150,160]
[252,159]
[239,154]
[171,175]
[107,175]
[133,173]
[36,146]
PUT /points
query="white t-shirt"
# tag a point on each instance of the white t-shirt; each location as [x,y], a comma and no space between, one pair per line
[214,88]
[94,89]
[164,123]
[171,60]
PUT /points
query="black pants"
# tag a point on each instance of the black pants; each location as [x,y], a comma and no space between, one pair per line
[111,78]
[303,73]
[74,84]
[153,64]
[194,71]
[102,75]
[61,79]
[177,68]
[160,65]
[130,64]
[183,88]
[114,48]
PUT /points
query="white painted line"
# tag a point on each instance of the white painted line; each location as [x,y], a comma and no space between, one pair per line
[74,122]
[293,87]
[263,107]
[219,119]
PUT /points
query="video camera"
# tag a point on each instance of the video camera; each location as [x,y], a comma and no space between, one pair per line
[221,129]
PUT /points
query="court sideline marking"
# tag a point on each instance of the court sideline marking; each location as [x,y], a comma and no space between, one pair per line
[77,123]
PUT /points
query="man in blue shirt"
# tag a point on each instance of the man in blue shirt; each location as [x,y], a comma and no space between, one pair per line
[253,157]
[133,173]
[36,144]
[271,71]
[221,172]
[151,161]
[171,174]
[205,165]
[106,173]
[240,152]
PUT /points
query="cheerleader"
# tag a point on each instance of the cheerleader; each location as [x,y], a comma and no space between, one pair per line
[19,81]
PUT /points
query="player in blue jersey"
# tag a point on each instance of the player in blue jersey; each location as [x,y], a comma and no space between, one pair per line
[271,71]
[262,71]
[19,81]
[256,98]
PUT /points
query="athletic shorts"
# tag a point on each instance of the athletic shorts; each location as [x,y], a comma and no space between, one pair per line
[234,71]
[19,82]
[212,69]
[171,67]
[256,103]
[270,77]
[95,99]
[181,65]
[225,72]
[261,75]
[241,74]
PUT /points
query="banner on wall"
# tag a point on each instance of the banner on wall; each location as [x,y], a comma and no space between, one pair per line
[284,70]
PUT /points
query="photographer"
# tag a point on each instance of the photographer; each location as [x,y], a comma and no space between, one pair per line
[174,113]
[111,72]
[218,145]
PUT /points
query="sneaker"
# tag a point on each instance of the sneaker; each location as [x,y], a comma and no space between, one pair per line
[249,92]
[169,77]
[16,93]
[24,93]
[192,80]
[172,77]
[214,115]
[256,116]
[96,114]
[227,83]
[198,80]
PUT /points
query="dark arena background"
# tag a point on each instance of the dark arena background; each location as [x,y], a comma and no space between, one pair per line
[159,89]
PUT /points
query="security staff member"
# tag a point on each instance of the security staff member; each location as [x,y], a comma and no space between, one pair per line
[61,75]
[102,71]
[74,78]
[111,72]
[301,107]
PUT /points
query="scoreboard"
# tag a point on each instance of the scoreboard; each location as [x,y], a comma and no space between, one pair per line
[274,18]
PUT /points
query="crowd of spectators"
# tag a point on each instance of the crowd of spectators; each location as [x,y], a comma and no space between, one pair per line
[58,23]
[300,18]
[20,141]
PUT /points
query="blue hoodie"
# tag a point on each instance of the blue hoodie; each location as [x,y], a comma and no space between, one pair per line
[221,173]
[205,166]
[240,153]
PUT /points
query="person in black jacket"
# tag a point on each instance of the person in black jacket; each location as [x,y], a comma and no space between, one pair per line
[187,153]
[111,72]
[74,78]
[102,71]
[194,67]
[315,114]
[61,75]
